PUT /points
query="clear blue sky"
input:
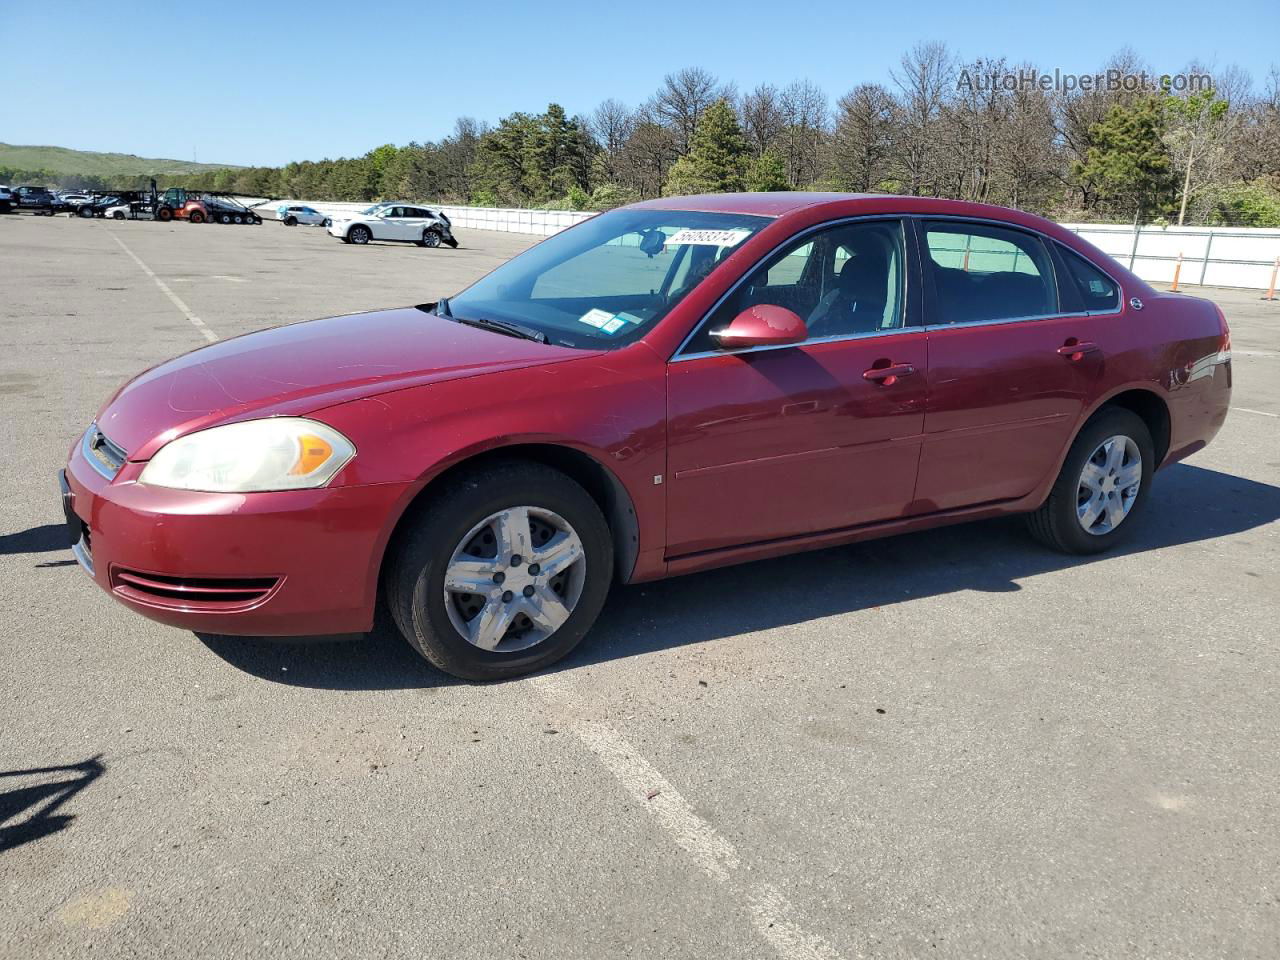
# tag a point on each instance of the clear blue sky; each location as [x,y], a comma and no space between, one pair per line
[269,82]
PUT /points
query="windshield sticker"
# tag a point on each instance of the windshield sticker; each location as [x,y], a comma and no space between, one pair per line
[596,318]
[629,317]
[613,326]
[708,238]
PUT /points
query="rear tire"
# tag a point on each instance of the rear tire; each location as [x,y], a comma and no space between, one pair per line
[430,238]
[423,550]
[359,235]
[86,212]
[164,214]
[290,221]
[1065,520]
[224,218]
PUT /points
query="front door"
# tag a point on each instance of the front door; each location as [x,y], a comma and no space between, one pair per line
[773,442]
[1006,388]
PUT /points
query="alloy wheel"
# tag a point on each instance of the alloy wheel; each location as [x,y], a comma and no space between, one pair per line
[514,579]
[1109,485]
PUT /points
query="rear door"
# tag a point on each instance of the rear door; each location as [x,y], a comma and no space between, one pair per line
[1006,387]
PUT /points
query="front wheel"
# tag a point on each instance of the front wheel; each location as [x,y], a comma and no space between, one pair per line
[85,212]
[1102,485]
[501,574]
[117,215]
[197,216]
[359,234]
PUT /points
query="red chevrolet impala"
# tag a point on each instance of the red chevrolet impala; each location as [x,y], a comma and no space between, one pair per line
[667,387]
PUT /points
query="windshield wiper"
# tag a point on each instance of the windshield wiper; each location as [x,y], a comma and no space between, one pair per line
[441,309]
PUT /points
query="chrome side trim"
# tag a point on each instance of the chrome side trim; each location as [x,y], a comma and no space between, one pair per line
[82,556]
[805,343]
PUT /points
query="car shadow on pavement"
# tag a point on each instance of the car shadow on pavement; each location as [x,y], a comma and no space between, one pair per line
[1187,504]
[45,797]
[42,539]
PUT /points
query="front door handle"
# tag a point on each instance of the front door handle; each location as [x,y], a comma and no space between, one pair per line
[888,375]
[1074,350]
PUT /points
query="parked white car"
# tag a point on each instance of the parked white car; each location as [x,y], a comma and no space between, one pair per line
[128,211]
[292,214]
[395,221]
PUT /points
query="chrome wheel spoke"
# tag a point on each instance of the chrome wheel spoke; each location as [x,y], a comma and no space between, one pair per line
[559,553]
[546,609]
[1115,453]
[1091,477]
[514,535]
[1091,510]
[1115,510]
[1129,475]
[466,575]
[489,626]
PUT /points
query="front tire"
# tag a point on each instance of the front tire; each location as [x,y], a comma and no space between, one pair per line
[1102,486]
[359,235]
[502,573]
[197,216]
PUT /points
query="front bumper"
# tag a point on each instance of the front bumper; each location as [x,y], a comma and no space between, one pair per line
[288,563]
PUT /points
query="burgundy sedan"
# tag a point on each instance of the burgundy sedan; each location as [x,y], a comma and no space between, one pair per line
[668,387]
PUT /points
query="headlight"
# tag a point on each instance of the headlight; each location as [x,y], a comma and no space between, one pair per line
[279,453]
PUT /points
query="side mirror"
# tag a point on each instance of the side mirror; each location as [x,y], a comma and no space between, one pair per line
[764,325]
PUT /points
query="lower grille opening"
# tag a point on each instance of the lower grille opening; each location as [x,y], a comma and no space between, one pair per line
[211,593]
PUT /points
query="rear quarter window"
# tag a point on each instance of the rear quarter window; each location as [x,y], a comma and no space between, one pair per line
[1098,292]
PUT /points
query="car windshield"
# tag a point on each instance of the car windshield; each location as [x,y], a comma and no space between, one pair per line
[605,282]
[369,211]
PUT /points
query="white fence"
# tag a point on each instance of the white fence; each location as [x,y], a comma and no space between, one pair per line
[1213,256]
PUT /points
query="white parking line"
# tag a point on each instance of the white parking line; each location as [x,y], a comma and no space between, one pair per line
[1261,413]
[164,287]
[771,913]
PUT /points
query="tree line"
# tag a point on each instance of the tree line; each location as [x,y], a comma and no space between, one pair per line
[937,127]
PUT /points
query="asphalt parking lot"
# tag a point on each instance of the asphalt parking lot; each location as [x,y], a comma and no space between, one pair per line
[950,744]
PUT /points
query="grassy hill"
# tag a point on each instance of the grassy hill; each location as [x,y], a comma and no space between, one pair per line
[89,163]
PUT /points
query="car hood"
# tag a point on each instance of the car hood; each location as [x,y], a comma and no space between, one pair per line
[299,368]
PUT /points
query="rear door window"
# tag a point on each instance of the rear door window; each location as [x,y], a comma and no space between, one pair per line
[983,273]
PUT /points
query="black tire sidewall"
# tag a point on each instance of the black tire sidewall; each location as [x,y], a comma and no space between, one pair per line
[361,232]
[425,556]
[431,234]
[1062,503]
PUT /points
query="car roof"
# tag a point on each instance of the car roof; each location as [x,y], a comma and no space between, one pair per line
[782,204]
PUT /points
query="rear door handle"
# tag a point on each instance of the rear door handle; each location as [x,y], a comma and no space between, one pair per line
[888,376]
[1075,350]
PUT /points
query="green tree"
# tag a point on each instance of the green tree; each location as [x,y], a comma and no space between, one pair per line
[767,172]
[1127,162]
[717,157]
[1197,131]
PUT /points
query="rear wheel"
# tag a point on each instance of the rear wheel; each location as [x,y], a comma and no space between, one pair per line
[291,221]
[359,234]
[503,573]
[118,215]
[86,211]
[1102,485]
[224,218]
[430,238]
[238,218]
[164,214]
